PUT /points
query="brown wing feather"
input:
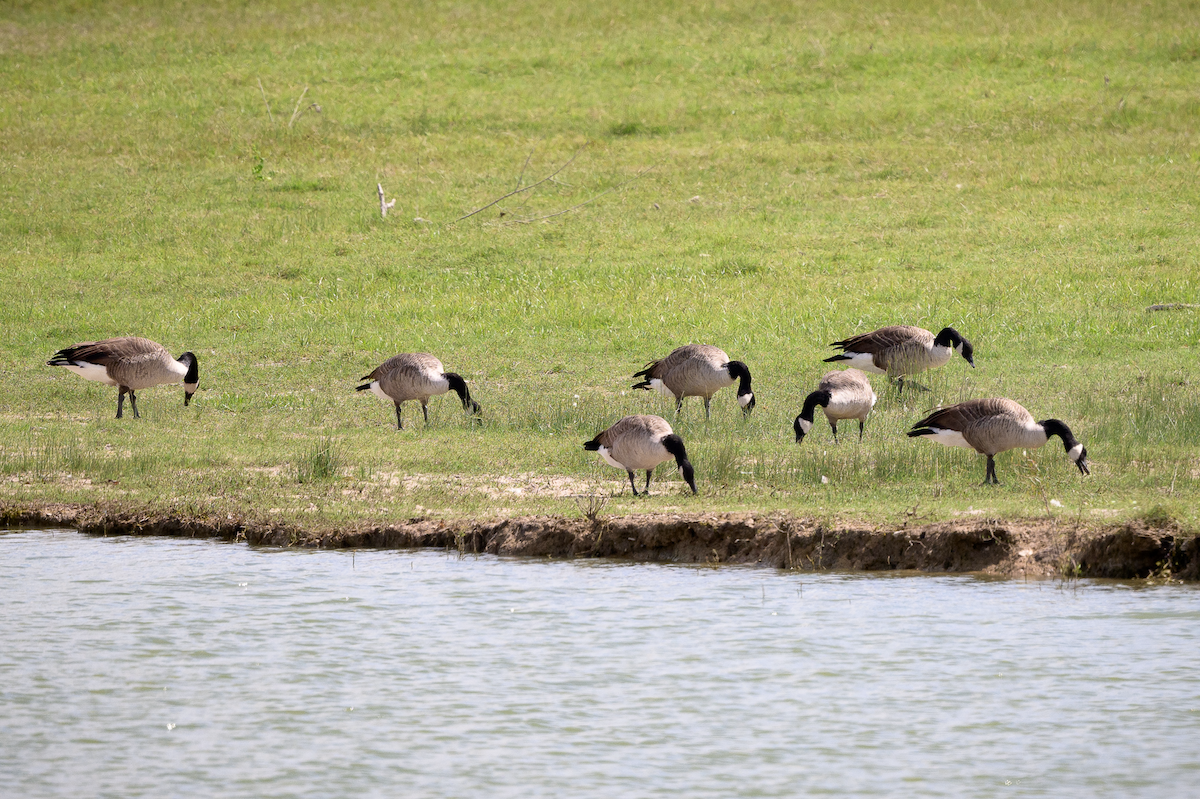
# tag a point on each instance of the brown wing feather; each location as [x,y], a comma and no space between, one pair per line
[965,415]
[109,351]
[883,338]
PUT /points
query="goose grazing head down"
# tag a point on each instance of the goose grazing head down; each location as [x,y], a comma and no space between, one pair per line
[697,370]
[842,395]
[130,363]
[416,376]
[641,443]
[900,351]
[992,426]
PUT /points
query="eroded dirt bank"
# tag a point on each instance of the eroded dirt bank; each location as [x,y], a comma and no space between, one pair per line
[1023,547]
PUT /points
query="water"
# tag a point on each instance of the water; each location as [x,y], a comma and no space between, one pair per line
[154,667]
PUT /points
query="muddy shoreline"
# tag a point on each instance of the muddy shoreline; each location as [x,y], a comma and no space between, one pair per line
[1031,548]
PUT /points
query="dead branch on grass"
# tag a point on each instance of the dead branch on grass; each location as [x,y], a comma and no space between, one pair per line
[526,188]
[384,205]
[270,116]
[609,190]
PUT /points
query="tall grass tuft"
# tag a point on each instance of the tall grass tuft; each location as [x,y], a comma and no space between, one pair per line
[320,462]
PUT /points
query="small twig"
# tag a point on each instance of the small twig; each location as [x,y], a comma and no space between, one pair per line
[518,191]
[383,204]
[270,116]
[609,190]
[521,176]
[296,110]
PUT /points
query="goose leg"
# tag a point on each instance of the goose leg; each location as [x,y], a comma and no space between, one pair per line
[678,405]
[120,401]
[425,410]
[399,424]
[133,404]
[833,426]
[990,477]
[861,424]
[707,415]
[646,490]
[632,484]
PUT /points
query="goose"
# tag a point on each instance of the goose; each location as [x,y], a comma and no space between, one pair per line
[130,363]
[900,351]
[642,442]
[416,376]
[843,394]
[697,370]
[991,426]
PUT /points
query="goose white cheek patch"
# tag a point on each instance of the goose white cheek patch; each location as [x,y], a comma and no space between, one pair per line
[609,459]
[1075,452]
[806,426]
[744,400]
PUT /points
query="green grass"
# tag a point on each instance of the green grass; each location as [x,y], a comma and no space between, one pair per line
[767,177]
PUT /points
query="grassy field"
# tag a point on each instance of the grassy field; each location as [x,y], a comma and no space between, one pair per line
[767,177]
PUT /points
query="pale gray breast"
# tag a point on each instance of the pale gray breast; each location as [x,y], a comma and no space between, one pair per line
[411,376]
[697,370]
[635,441]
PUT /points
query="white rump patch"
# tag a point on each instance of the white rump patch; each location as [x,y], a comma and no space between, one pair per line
[661,387]
[951,438]
[609,459]
[1075,452]
[862,360]
[744,400]
[377,391]
[92,371]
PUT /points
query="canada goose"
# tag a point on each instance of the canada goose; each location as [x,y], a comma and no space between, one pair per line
[991,426]
[844,394]
[697,370]
[416,376]
[900,351]
[130,363]
[642,442]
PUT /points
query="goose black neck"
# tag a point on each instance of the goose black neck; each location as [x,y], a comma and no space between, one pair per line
[811,402]
[189,360]
[674,445]
[1055,427]
[738,371]
[948,337]
[459,386]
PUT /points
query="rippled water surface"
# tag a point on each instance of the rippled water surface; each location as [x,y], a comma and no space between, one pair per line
[152,667]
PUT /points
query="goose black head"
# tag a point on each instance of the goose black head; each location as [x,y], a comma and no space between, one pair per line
[459,386]
[745,394]
[1076,451]
[674,445]
[804,421]
[949,337]
[191,381]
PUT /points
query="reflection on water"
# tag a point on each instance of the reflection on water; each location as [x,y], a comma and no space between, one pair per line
[152,667]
